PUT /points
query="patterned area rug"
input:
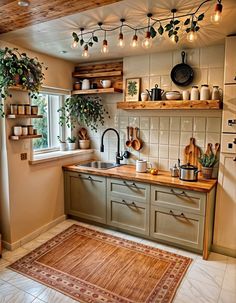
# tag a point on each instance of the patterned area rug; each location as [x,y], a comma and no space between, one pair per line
[91,266]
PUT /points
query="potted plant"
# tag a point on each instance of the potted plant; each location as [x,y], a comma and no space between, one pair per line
[84,110]
[71,142]
[18,69]
[62,143]
[207,161]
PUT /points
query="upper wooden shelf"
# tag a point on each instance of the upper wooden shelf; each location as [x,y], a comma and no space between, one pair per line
[23,116]
[16,138]
[96,91]
[173,104]
[18,88]
[97,74]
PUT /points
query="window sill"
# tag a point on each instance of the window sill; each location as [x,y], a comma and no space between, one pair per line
[56,155]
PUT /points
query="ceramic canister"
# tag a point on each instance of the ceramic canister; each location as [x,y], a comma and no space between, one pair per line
[141,166]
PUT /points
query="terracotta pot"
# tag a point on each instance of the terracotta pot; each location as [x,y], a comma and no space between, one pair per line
[84,144]
[207,172]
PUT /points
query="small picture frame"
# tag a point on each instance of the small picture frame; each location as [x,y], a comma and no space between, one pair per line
[132,89]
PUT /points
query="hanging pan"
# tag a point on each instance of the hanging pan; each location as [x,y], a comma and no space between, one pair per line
[182,74]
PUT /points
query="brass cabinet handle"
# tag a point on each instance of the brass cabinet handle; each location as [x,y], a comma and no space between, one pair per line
[129,204]
[182,215]
[183,193]
[231,122]
[90,178]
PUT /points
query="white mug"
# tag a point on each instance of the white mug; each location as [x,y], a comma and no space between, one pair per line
[142,166]
[144,96]
[105,83]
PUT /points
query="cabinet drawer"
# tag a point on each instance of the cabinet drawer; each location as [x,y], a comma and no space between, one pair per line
[228,143]
[229,109]
[185,200]
[177,227]
[128,189]
[129,215]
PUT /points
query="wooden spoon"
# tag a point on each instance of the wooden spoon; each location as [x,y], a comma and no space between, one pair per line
[83,133]
[209,149]
[136,143]
[128,143]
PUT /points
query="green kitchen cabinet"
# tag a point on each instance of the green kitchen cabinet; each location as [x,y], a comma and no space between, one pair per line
[85,196]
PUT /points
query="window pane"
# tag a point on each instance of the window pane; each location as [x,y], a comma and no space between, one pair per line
[41,125]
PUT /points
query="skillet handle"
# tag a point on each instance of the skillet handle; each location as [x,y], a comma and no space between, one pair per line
[183,56]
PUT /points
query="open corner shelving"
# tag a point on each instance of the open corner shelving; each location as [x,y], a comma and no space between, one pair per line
[17,138]
[10,116]
[171,104]
[97,91]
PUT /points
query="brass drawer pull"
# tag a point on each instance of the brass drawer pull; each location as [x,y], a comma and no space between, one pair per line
[129,204]
[183,193]
[132,184]
[182,215]
[90,178]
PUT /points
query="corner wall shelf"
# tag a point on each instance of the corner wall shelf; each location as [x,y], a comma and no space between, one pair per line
[97,74]
[171,104]
[97,91]
[23,116]
[16,138]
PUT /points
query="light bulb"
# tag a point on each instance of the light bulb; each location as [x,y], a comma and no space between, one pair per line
[172,38]
[74,44]
[147,42]
[104,48]
[134,42]
[121,42]
[85,52]
[23,3]
[192,36]
[216,17]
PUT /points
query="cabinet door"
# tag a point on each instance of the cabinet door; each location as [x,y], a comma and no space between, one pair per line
[225,219]
[128,215]
[229,109]
[177,227]
[85,196]
[230,60]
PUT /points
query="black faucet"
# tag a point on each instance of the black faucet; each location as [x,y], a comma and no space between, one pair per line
[118,156]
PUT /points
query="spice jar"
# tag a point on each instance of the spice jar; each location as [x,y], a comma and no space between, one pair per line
[205,92]
[13,109]
[30,130]
[21,109]
[27,109]
[35,131]
[215,93]
[24,130]
[17,130]
[34,109]
[194,93]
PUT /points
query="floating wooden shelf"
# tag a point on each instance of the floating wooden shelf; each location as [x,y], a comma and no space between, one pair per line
[16,138]
[19,88]
[97,74]
[171,104]
[24,116]
[97,91]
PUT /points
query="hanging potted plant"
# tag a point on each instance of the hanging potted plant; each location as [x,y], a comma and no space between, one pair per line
[18,69]
[83,110]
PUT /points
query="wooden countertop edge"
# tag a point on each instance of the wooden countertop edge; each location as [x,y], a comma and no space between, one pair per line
[200,186]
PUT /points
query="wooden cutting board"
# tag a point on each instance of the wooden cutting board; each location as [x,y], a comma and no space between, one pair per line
[191,154]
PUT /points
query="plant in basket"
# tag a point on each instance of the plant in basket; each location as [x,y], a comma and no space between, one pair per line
[208,161]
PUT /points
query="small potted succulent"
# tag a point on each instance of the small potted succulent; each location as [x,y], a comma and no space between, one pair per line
[71,142]
[207,161]
[62,143]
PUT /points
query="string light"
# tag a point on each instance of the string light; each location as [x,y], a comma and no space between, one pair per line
[216,17]
[23,3]
[134,43]
[85,52]
[74,44]
[121,42]
[192,36]
[147,41]
[104,48]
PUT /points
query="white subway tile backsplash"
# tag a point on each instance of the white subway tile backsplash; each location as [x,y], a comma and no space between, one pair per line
[153,162]
[200,76]
[160,63]
[213,125]
[212,138]
[174,138]
[124,122]
[154,136]
[173,152]
[216,76]
[155,80]
[185,138]
[134,121]
[212,56]
[154,123]
[164,137]
[144,123]
[136,65]
[145,83]
[191,57]
[144,135]
[186,124]
[164,123]
[200,138]
[163,164]
[174,123]
[163,151]
[165,82]
[153,150]
[199,124]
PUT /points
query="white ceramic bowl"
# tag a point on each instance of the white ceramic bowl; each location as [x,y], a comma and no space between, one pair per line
[105,83]
[174,95]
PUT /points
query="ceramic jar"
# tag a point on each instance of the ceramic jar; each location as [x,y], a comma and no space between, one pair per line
[215,93]
[194,93]
[24,130]
[85,84]
[21,109]
[141,166]
[205,92]
[13,109]
[17,130]
[34,109]
[144,96]
[27,109]
[105,83]
[30,130]
[186,94]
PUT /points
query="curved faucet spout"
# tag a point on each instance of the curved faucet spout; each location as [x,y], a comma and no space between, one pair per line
[118,157]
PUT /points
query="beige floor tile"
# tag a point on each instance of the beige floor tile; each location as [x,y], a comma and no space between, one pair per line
[11,294]
[229,282]
[7,274]
[3,264]
[38,301]
[188,254]
[52,296]
[214,260]
[12,256]
[227,297]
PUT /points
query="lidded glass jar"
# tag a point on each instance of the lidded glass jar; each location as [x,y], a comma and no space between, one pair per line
[215,93]
[205,92]
[194,93]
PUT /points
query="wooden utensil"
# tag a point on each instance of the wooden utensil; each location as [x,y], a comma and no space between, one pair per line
[209,149]
[136,142]
[191,153]
[83,134]
[128,143]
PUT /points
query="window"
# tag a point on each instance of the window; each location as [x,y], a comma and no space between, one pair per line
[48,126]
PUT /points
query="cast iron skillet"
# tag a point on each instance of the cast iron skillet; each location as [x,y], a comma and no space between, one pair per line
[182,74]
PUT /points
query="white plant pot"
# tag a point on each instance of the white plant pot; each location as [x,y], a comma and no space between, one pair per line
[71,146]
[84,144]
[63,146]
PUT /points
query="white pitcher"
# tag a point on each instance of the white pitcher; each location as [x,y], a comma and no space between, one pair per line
[85,84]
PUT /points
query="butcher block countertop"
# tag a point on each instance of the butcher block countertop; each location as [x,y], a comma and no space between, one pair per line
[127,172]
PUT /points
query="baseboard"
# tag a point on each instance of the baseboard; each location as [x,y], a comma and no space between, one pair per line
[224,250]
[33,235]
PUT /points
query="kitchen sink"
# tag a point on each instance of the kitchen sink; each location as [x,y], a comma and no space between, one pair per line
[99,165]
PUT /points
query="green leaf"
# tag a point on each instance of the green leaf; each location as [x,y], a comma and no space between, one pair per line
[81,42]
[177,28]
[153,32]
[188,30]
[171,32]
[187,21]
[197,28]
[160,30]
[90,44]
[168,27]
[176,38]
[176,22]
[200,17]
[95,38]
[194,23]
[75,36]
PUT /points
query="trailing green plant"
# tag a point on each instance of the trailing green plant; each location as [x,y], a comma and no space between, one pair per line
[83,110]
[71,139]
[207,160]
[19,69]
[60,139]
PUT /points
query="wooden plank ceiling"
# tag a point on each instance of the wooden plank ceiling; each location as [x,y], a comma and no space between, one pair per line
[13,17]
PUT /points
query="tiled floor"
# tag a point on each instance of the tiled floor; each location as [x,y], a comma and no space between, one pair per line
[212,281]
